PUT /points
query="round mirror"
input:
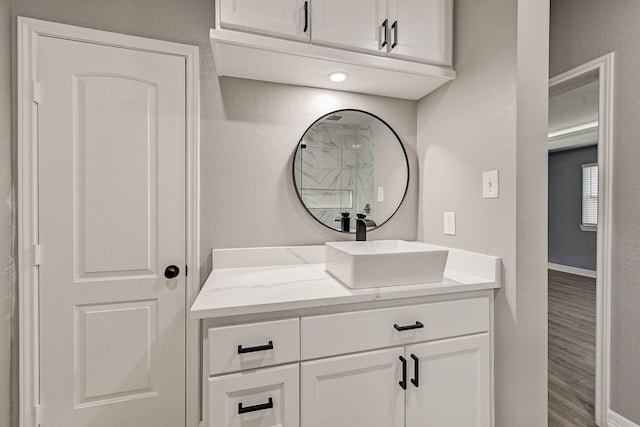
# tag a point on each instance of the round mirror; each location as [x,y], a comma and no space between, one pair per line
[350,162]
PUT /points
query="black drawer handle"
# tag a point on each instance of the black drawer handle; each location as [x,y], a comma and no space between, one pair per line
[255,408]
[418,325]
[416,365]
[384,28]
[394,27]
[403,383]
[253,349]
[306,17]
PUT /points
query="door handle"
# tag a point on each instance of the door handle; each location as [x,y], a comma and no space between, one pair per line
[254,408]
[171,271]
[384,28]
[403,383]
[416,366]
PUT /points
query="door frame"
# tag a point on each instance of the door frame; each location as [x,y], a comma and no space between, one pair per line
[28,210]
[605,66]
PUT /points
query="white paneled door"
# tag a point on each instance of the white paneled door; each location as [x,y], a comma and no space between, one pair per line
[111,139]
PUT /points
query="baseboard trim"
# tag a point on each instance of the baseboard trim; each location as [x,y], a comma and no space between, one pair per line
[572,270]
[617,420]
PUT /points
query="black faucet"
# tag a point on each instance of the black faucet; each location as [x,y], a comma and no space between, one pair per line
[345,222]
[361,227]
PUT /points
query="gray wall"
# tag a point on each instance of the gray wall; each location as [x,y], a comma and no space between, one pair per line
[582,30]
[6,201]
[494,116]
[249,131]
[568,244]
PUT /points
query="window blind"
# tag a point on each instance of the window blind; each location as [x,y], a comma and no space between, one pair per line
[590,194]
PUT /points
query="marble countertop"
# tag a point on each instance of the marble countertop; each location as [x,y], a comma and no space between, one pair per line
[263,280]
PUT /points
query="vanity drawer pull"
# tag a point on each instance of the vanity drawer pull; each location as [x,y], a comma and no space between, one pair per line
[403,383]
[255,408]
[254,349]
[416,366]
[418,325]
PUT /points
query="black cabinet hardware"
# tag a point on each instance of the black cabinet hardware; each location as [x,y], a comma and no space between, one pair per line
[384,27]
[403,383]
[418,325]
[171,271]
[254,349]
[254,408]
[306,16]
[394,27]
[416,364]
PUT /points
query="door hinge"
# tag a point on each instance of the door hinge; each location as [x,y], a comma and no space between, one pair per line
[37,415]
[36,92]
[36,255]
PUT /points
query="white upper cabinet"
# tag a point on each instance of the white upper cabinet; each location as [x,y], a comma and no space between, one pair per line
[415,30]
[421,30]
[353,24]
[282,18]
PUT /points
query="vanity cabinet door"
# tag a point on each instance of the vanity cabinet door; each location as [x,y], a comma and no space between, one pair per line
[353,24]
[280,18]
[355,390]
[453,383]
[263,398]
[421,30]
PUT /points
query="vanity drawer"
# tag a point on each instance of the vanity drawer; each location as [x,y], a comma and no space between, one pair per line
[333,334]
[266,397]
[253,345]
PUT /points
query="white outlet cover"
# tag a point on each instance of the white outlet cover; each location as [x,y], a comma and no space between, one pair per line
[450,223]
[490,185]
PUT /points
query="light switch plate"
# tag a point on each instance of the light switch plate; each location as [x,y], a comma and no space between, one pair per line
[450,223]
[490,185]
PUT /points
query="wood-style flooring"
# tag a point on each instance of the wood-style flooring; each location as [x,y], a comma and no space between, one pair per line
[572,338]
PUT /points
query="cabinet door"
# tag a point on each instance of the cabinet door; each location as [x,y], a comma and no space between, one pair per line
[355,390]
[421,30]
[264,398]
[353,24]
[454,386]
[282,18]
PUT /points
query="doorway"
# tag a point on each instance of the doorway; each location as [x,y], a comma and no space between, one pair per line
[580,138]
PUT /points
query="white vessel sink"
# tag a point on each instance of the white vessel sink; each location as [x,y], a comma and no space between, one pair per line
[380,263]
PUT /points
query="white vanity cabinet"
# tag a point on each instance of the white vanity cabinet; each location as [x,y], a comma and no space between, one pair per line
[421,363]
[440,378]
[416,30]
[281,18]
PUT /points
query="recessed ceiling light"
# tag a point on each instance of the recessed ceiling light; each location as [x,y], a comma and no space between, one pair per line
[338,76]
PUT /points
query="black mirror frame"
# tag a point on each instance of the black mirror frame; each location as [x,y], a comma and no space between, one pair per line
[404,151]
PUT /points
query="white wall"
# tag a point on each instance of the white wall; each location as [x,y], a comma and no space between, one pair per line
[493,116]
[6,231]
[582,30]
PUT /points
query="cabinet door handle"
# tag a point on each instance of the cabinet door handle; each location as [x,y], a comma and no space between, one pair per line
[254,408]
[306,16]
[417,325]
[416,365]
[394,27]
[403,383]
[384,28]
[253,349]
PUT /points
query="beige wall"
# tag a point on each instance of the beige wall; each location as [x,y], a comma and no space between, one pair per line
[6,231]
[249,131]
[582,30]
[492,117]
